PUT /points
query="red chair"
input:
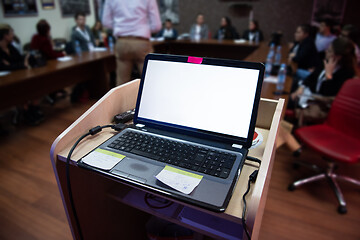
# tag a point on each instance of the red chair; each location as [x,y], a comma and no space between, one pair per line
[337,140]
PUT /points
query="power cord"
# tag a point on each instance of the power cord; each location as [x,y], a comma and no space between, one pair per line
[92,131]
[252,179]
[165,203]
[253,159]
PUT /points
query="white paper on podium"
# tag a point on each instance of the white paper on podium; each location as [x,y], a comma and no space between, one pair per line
[180,180]
[103,159]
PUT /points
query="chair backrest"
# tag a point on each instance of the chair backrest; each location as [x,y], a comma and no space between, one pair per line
[344,114]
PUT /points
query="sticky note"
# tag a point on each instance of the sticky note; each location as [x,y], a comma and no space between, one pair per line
[180,180]
[103,159]
[196,60]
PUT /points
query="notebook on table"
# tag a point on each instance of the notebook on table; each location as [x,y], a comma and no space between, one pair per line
[195,121]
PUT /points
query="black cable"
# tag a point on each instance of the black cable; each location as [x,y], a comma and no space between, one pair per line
[253,159]
[92,131]
[252,179]
[150,196]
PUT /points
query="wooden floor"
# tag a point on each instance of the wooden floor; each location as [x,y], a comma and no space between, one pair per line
[31,207]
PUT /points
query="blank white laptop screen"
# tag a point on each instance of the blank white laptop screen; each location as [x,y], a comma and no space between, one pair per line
[206,97]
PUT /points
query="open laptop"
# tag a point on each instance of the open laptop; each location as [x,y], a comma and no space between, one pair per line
[199,114]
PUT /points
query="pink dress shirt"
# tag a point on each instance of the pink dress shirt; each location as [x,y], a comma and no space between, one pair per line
[136,18]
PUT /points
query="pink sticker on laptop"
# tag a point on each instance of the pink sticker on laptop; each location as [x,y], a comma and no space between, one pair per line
[196,60]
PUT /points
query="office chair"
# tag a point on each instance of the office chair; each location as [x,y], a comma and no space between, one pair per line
[337,139]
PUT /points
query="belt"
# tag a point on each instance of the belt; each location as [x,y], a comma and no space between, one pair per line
[133,37]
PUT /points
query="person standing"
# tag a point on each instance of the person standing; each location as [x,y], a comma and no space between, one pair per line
[132,23]
[82,34]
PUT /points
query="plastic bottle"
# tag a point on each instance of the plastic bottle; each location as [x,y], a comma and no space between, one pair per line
[278,56]
[281,79]
[268,67]
[77,48]
[257,38]
[269,60]
[220,35]
[271,52]
[111,44]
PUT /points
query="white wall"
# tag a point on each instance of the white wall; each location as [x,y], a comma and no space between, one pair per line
[25,27]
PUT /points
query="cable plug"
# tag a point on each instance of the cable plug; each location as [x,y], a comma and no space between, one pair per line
[95,130]
[119,127]
[253,176]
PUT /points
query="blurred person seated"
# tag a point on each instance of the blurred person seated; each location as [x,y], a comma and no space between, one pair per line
[168,32]
[303,56]
[326,81]
[42,41]
[350,31]
[81,33]
[253,32]
[17,44]
[226,30]
[199,30]
[99,34]
[10,58]
[324,37]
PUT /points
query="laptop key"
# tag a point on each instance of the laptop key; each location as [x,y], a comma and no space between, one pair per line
[225,173]
[196,158]
[145,154]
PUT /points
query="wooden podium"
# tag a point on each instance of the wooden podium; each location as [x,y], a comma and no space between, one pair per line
[108,208]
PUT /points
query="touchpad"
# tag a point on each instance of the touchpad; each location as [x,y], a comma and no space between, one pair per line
[141,170]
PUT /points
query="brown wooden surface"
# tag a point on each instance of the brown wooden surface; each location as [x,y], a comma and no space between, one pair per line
[30,84]
[31,207]
[123,98]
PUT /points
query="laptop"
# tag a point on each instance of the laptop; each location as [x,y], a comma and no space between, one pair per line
[194,117]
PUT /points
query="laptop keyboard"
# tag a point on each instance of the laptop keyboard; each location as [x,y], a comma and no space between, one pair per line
[193,157]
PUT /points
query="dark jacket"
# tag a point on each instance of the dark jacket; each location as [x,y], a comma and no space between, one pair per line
[246,35]
[204,32]
[329,87]
[228,33]
[307,55]
[44,45]
[77,36]
[15,60]
[174,33]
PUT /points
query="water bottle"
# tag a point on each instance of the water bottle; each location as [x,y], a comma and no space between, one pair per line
[281,79]
[220,35]
[268,67]
[111,44]
[77,48]
[257,38]
[278,56]
[271,52]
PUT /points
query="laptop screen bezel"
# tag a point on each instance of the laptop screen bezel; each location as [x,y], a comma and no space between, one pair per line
[246,142]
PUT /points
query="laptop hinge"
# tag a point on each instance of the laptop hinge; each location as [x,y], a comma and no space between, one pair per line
[236,146]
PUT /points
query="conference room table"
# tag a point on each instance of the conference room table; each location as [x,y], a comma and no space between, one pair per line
[24,85]
[21,86]
[109,208]
[228,49]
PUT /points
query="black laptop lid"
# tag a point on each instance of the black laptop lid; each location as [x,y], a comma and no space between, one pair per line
[208,98]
